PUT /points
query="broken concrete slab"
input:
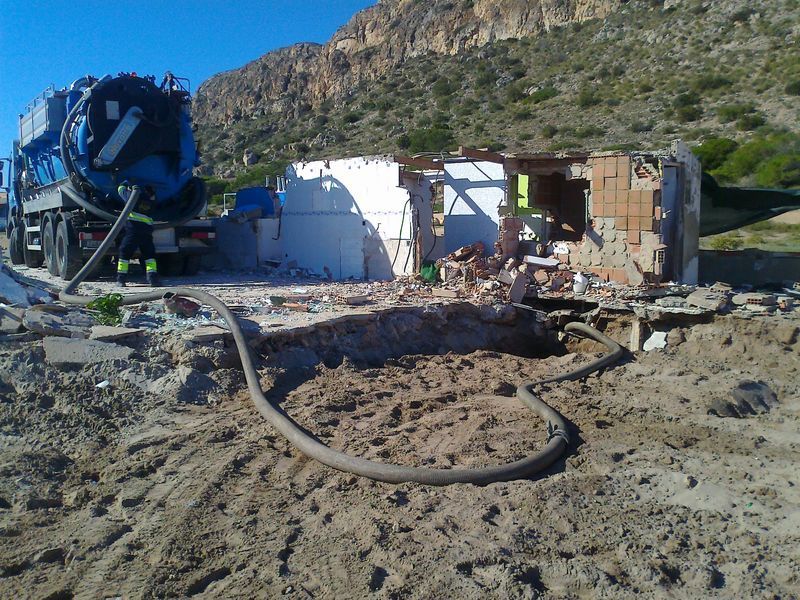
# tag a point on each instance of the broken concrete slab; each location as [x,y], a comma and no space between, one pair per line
[705,298]
[207,333]
[106,333]
[519,286]
[551,263]
[356,300]
[12,292]
[61,351]
[11,319]
[445,293]
[657,341]
[505,277]
[51,320]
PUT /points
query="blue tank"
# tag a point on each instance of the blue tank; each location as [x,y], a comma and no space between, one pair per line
[100,133]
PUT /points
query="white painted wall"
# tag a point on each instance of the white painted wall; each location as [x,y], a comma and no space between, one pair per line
[347,215]
[474,191]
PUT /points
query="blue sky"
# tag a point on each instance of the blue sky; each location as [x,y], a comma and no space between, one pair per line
[57,41]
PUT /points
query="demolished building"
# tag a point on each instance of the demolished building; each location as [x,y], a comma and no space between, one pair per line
[627,217]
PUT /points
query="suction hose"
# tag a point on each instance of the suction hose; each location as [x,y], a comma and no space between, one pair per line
[557,442]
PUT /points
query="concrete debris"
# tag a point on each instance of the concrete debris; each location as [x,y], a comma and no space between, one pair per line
[52,320]
[656,341]
[107,333]
[66,352]
[445,293]
[705,298]
[354,300]
[209,333]
[11,319]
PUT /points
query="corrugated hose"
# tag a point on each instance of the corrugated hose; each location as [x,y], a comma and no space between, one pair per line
[557,435]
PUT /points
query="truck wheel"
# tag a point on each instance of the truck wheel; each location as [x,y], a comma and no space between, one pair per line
[191,264]
[68,253]
[15,242]
[49,245]
[170,265]
[33,258]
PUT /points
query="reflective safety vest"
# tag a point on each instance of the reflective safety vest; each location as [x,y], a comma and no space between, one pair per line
[139,217]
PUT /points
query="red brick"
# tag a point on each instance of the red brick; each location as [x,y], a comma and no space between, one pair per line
[634,237]
[647,197]
[610,183]
[623,182]
[621,222]
[621,209]
[634,209]
[636,195]
[610,168]
[658,213]
[633,223]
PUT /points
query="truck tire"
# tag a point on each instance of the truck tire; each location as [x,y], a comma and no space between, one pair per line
[15,241]
[68,253]
[191,264]
[49,245]
[33,258]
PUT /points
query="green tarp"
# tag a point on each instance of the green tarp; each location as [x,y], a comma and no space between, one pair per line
[728,208]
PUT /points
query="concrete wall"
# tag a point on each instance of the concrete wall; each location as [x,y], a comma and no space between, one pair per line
[690,213]
[350,216]
[474,195]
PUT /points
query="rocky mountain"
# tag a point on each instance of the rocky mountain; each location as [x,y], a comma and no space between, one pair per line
[286,81]
[522,75]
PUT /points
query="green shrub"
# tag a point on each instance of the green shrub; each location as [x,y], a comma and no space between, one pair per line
[750,122]
[549,131]
[587,98]
[780,172]
[352,117]
[714,152]
[641,127]
[793,88]
[732,112]
[726,242]
[710,81]
[543,94]
[433,139]
[444,87]
[687,114]
[589,131]
[686,99]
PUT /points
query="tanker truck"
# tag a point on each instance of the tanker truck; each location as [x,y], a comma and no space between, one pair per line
[76,147]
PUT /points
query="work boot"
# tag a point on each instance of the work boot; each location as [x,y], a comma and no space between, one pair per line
[154,280]
[122,280]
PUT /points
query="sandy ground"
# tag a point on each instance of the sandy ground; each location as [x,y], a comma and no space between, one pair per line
[168,484]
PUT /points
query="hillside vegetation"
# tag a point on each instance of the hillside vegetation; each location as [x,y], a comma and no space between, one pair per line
[724,74]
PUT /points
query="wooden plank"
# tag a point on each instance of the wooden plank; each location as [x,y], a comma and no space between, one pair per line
[420,163]
[481,155]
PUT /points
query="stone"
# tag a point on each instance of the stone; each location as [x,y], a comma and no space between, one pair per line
[656,341]
[445,293]
[505,277]
[11,319]
[538,261]
[60,351]
[107,333]
[519,286]
[705,298]
[637,335]
[12,292]
[57,321]
[207,333]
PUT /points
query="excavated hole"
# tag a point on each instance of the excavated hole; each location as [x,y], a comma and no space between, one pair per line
[429,388]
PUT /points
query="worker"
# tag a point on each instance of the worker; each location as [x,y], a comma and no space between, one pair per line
[138,234]
[276,200]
